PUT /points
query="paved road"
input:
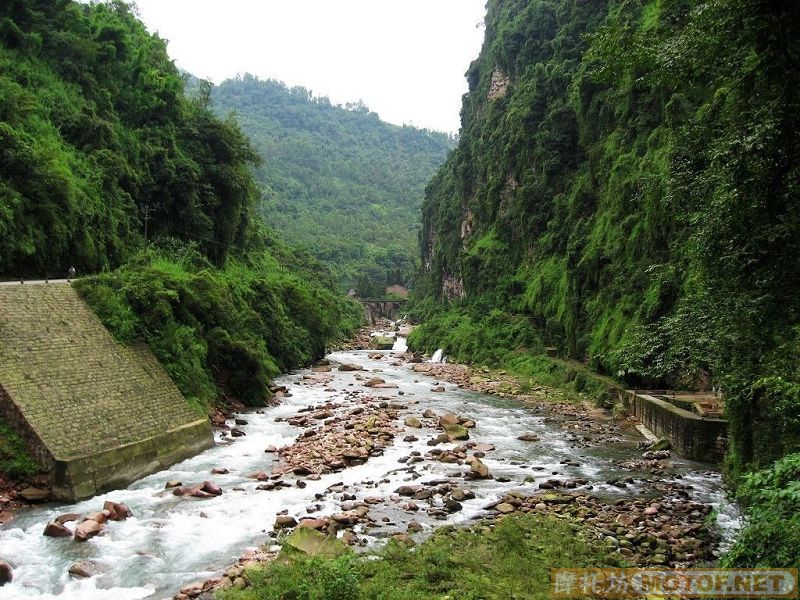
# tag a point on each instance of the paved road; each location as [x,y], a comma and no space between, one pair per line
[36,282]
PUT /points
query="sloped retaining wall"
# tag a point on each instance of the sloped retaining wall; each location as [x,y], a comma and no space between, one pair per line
[692,436]
[96,415]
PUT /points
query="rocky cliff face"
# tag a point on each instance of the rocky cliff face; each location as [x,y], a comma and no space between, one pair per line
[624,181]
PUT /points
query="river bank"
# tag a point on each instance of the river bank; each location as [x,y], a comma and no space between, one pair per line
[348,453]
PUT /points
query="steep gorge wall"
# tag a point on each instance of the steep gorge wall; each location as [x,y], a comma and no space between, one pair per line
[94,413]
[626,179]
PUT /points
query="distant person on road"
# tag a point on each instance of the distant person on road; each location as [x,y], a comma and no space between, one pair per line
[71,273]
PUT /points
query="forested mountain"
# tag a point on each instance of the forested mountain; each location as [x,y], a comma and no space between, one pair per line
[106,164]
[625,187]
[337,180]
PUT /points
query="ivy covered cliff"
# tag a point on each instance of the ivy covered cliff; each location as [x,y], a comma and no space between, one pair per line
[625,188]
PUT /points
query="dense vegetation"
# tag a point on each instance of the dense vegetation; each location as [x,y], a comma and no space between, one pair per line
[100,147]
[337,180]
[224,332]
[511,560]
[631,197]
[109,167]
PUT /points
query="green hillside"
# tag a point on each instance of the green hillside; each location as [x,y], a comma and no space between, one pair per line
[337,180]
[106,165]
[625,188]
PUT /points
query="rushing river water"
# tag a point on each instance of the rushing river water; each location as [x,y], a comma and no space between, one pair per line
[171,541]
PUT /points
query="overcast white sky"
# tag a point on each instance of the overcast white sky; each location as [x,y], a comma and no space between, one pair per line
[404,58]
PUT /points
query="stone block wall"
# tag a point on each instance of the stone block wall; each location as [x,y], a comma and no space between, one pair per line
[691,435]
[76,395]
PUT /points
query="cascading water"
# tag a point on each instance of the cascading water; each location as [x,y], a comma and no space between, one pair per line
[172,541]
[438,357]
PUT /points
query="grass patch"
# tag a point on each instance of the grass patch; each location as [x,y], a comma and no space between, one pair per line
[14,459]
[511,559]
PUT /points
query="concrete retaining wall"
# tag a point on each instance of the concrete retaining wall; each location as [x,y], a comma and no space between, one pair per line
[695,437]
[95,414]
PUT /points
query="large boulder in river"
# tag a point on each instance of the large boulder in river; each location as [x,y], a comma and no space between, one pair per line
[478,470]
[305,541]
[6,573]
[116,510]
[56,529]
[449,419]
[382,343]
[349,367]
[456,432]
[88,529]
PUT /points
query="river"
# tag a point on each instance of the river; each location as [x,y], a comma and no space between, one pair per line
[171,541]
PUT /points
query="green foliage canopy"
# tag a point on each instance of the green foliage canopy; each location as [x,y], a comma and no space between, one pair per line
[336,179]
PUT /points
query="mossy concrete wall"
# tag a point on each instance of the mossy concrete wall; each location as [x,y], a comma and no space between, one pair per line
[691,435]
[95,414]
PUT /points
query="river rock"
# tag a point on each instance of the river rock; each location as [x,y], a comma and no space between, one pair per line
[429,414]
[99,516]
[82,569]
[318,524]
[438,389]
[349,367]
[88,529]
[56,529]
[285,522]
[172,483]
[33,494]
[478,470]
[211,488]
[449,419]
[374,382]
[452,505]
[270,449]
[660,455]
[408,490]
[456,432]
[461,494]
[117,511]
[305,541]
[505,508]
[67,517]
[219,471]
[528,437]
[413,422]
[6,573]
[625,520]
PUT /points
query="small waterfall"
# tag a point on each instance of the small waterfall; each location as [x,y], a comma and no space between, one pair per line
[400,344]
[438,357]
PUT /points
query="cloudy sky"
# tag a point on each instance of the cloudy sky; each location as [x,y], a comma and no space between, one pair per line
[404,58]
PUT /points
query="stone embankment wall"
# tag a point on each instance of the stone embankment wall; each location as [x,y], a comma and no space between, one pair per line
[691,435]
[95,414]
